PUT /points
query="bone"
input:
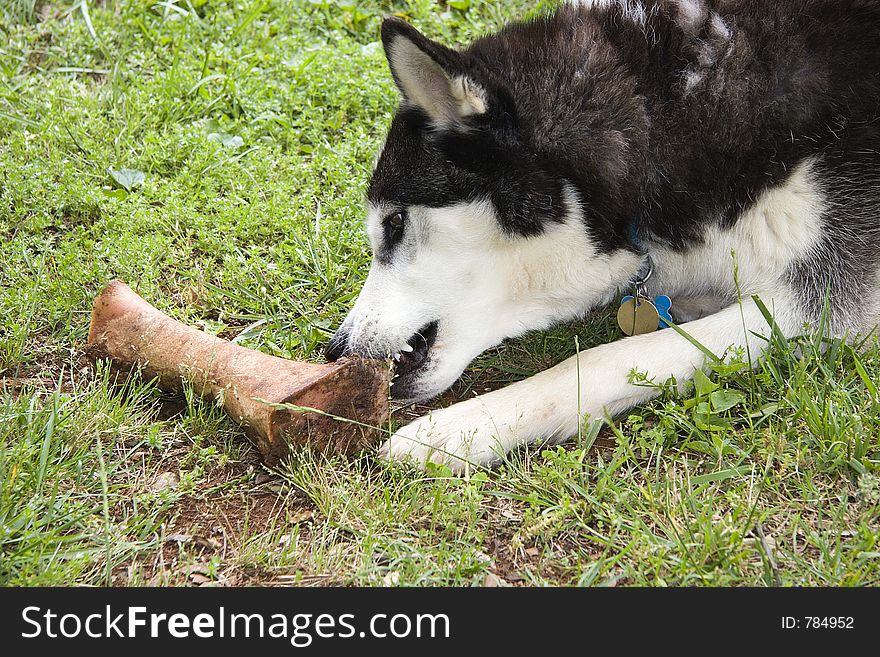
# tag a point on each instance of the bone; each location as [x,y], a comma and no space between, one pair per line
[136,337]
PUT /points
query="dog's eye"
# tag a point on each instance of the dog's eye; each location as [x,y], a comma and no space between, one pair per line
[395,221]
[394,224]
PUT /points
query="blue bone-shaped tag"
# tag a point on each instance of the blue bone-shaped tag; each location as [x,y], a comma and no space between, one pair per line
[663,304]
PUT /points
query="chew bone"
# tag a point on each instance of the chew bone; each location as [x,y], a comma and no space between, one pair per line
[135,336]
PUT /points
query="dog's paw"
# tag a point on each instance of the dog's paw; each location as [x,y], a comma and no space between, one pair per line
[459,436]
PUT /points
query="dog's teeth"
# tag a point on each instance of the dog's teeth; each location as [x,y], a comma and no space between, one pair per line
[407,348]
[397,357]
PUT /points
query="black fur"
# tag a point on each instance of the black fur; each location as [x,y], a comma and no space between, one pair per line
[421,166]
[588,97]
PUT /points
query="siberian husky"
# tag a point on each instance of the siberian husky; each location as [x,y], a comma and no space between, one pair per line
[730,149]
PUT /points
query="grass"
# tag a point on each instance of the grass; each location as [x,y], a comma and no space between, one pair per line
[252,127]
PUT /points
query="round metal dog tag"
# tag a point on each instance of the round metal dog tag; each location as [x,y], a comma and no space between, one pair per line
[638,316]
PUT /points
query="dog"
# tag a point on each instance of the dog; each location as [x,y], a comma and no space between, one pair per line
[726,150]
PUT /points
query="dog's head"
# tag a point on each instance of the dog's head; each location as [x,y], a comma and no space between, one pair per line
[475,236]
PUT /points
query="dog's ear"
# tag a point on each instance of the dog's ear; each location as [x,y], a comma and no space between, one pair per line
[430,76]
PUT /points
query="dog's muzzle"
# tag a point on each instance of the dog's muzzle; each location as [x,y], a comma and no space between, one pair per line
[337,347]
[407,360]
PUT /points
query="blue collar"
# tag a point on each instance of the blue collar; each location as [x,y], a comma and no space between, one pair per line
[661,303]
[647,269]
[635,239]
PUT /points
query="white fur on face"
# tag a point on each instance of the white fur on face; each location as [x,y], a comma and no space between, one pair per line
[457,267]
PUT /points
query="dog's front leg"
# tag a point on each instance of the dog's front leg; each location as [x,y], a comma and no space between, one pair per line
[547,405]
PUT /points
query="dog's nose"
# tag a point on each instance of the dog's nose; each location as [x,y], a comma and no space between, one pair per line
[337,346]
